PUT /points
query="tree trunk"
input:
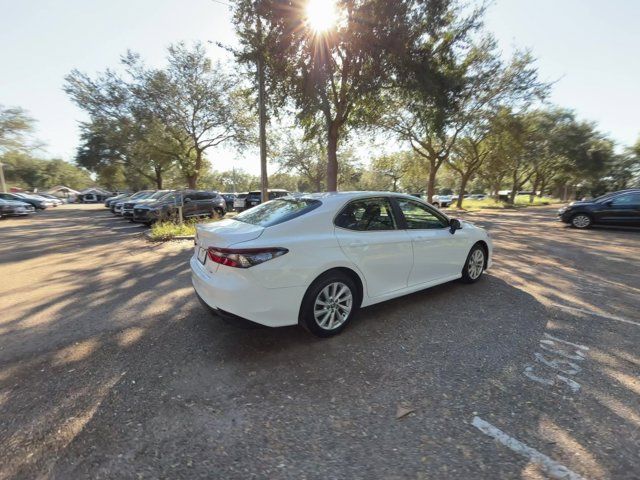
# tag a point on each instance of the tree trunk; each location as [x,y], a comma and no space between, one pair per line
[332,159]
[192,181]
[431,183]
[543,186]
[158,171]
[536,182]
[463,184]
[262,118]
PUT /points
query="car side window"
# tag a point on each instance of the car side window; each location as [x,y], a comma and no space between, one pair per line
[367,215]
[420,217]
[632,199]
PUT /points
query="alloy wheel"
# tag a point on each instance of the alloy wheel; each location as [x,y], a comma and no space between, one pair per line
[333,306]
[581,221]
[476,264]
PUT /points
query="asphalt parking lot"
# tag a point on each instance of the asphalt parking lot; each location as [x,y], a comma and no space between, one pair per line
[110,368]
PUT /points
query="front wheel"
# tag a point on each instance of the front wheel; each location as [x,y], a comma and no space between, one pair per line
[329,304]
[581,220]
[474,266]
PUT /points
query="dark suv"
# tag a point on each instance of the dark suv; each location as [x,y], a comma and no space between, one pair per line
[617,208]
[255,198]
[195,203]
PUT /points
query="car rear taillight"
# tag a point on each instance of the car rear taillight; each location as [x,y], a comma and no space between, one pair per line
[244,257]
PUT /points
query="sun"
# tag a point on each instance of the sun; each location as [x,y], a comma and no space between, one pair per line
[321,15]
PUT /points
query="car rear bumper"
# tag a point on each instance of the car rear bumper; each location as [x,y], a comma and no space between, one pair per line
[236,293]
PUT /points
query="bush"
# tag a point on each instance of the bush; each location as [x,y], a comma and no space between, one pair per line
[492,203]
[162,231]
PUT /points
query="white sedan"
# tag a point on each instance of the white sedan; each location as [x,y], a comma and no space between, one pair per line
[315,259]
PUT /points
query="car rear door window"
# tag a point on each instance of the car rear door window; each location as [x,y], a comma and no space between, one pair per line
[367,215]
[277,211]
[419,216]
[630,200]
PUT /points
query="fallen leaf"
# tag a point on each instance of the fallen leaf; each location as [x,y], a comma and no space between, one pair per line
[403,411]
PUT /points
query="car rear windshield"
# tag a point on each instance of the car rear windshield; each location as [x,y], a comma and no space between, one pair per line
[277,211]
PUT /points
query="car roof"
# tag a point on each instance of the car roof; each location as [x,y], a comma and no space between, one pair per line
[341,197]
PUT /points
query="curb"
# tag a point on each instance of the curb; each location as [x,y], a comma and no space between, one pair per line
[147,235]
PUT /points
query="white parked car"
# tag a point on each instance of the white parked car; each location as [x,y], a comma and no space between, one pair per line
[315,259]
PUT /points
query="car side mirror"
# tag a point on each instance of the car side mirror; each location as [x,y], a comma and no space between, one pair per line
[187,200]
[609,203]
[454,224]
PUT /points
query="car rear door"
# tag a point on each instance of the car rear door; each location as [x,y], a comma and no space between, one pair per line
[437,253]
[368,234]
[621,210]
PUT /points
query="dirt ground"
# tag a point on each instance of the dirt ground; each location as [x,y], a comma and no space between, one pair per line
[110,368]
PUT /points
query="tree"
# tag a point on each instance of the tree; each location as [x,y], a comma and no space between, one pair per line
[452,78]
[15,128]
[468,156]
[333,77]
[26,171]
[393,166]
[307,159]
[153,117]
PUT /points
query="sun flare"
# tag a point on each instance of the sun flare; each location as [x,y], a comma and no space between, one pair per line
[321,15]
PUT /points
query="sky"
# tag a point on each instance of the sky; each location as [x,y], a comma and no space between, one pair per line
[589,48]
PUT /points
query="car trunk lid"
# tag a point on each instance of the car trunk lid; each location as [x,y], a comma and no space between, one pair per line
[225,233]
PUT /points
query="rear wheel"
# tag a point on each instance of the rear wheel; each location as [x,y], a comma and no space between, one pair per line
[329,304]
[474,266]
[581,220]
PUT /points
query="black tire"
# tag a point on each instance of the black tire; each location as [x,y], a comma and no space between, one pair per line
[475,264]
[307,317]
[436,204]
[581,221]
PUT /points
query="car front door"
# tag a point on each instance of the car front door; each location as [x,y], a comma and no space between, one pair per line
[621,210]
[368,234]
[437,253]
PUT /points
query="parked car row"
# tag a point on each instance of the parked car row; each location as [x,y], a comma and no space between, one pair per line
[35,201]
[150,206]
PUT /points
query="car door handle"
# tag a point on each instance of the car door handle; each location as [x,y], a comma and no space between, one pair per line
[358,243]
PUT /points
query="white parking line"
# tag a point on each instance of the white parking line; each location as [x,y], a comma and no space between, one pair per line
[596,314]
[548,465]
[577,345]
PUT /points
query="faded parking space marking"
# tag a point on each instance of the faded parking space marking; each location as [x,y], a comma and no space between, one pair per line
[546,464]
[565,365]
[595,314]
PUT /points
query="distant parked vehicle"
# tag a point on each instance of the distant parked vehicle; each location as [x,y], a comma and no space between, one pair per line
[195,204]
[39,203]
[116,207]
[14,208]
[127,207]
[616,208]
[239,201]
[229,199]
[108,202]
[53,198]
[254,198]
[477,196]
[441,201]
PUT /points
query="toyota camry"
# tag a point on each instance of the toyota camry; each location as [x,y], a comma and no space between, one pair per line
[314,260]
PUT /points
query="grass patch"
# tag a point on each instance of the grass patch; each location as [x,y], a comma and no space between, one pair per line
[162,231]
[492,203]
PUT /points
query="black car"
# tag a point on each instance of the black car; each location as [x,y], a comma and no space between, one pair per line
[195,203]
[617,208]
